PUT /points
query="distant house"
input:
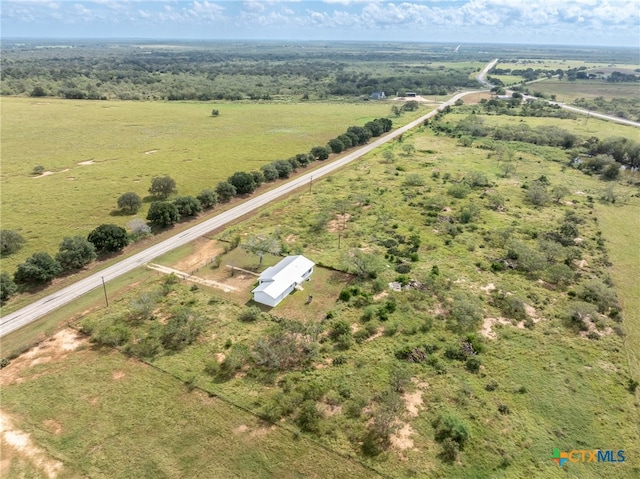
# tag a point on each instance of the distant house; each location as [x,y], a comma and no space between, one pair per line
[276,282]
[377,95]
[410,94]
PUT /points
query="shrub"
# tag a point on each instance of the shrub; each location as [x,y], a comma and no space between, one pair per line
[10,242]
[225,191]
[449,426]
[250,314]
[459,190]
[596,292]
[473,364]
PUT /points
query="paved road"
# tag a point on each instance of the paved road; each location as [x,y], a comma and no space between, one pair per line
[41,307]
[481,78]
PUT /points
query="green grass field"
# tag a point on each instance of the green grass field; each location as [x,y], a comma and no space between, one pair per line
[542,383]
[123,145]
[105,416]
[568,91]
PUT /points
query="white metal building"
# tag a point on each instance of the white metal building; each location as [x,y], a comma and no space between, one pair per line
[276,282]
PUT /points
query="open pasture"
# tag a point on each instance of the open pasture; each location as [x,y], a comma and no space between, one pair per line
[568,91]
[93,151]
[118,418]
[542,383]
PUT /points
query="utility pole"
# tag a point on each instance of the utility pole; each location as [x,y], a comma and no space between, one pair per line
[104,287]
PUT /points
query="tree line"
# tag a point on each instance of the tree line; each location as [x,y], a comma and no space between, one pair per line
[201,74]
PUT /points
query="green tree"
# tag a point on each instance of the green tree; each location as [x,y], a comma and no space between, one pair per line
[75,252]
[225,191]
[10,242]
[108,238]
[187,205]
[466,311]
[537,194]
[336,145]
[243,182]
[7,287]
[270,173]
[258,177]
[38,91]
[130,202]
[38,268]
[283,167]
[163,214]
[364,265]
[162,187]
[320,152]
[208,198]
[261,245]
[558,192]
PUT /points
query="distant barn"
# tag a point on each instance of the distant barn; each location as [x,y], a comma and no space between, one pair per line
[377,95]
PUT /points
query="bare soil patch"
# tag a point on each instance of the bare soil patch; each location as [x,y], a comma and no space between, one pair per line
[19,443]
[86,163]
[55,348]
[412,402]
[401,439]
[204,251]
[338,223]
[487,326]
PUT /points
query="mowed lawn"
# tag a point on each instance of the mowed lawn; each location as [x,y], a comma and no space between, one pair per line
[93,151]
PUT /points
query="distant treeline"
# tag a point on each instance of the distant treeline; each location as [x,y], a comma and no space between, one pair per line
[204,74]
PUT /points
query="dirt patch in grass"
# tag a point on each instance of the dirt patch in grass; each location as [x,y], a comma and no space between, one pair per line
[54,349]
[401,439]
[412,402]
[117,375]
[19,443]
[86,163]
[204,250]
[339,223]
[487,326]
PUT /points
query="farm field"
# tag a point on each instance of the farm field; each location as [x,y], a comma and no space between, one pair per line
[382,375]
[94,151]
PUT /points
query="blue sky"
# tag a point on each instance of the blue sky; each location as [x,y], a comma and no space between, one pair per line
[572,22]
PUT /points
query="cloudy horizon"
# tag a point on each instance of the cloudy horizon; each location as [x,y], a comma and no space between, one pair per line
[551,22]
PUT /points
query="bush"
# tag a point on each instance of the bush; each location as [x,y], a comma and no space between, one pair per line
[450,426]
[473,364]
[10,242]
[75,253]
[243,182]
[596,292]
[459,190]
[250,314]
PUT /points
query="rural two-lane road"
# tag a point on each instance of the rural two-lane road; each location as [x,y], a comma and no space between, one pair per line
[41,307]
